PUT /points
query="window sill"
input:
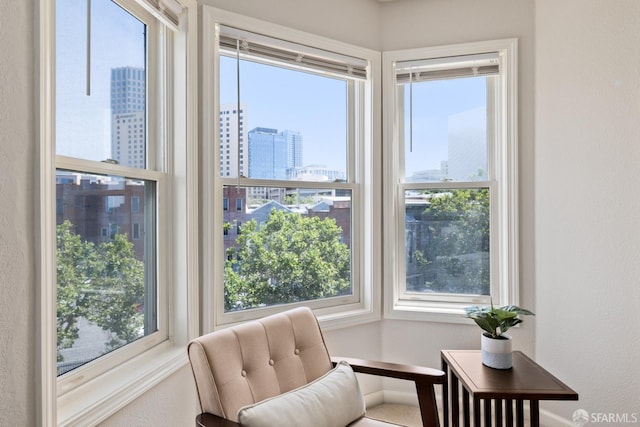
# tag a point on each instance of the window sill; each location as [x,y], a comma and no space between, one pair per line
[346,318]
[440,313]
[96,400]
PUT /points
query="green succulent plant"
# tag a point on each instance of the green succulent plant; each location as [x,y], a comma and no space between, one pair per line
[496,321]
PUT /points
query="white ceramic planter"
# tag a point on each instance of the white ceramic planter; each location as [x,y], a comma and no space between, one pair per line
[496,352]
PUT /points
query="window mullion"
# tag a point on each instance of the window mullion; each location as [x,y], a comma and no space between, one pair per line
[105,168]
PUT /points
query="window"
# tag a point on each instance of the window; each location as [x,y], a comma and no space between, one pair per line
[107,291]
[452,186]
[106,66]
[297,115]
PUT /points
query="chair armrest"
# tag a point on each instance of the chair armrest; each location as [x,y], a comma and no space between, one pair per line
[424,379]
[394,370]
[209,420]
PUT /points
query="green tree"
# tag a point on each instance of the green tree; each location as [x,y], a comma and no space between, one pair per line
[76,261]
[103,284]
[459,224]
[289,258]
[117,293]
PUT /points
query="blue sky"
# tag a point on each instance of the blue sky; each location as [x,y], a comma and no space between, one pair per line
[83,125]
[276,98]
[433,103]
[284,99]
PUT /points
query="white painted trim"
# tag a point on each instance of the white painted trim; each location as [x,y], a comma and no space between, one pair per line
[159,111]
[365,307]
[502,159]
[374,399]
[400,398]
[209,127]
[46,369]
[549,419]
[94,401]
[88,405]
[189,30]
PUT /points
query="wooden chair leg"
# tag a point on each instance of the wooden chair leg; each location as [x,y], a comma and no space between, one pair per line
[428,406]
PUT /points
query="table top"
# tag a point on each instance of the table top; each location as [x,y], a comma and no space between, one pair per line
[526,380]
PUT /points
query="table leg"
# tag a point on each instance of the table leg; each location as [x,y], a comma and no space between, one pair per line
[520,413]
[455,402]
[487,413]
[534,409]
[465,407]
[509,408]
[445,393]
[476,412]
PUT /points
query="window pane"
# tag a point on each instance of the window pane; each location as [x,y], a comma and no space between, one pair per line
[105,285]
[445,135]
[286,245]
[102,114]
[447,241]
[292,125]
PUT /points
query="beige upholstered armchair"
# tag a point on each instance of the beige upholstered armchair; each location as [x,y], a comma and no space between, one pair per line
[277,372]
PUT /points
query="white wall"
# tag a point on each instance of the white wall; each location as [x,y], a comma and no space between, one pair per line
[587,206]
[352,21]
[17,262]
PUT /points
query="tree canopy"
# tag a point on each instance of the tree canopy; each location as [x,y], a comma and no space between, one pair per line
[453,254]
[102,283]
[289,258]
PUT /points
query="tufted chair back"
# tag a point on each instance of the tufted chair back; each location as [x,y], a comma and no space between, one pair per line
[251,362]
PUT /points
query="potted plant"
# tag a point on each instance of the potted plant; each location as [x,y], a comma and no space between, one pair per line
[495,344]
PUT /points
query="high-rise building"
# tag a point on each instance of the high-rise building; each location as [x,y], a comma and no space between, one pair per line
[294,148]
[468,145]
[273,153]
[128,113]
[233,131]
[268,154]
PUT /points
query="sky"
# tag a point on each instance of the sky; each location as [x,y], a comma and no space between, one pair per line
[279,98]
[275,97]
[83,123]
[434,102]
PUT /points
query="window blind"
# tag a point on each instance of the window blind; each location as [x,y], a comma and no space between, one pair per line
[233,41]
[485,64]
[167,11]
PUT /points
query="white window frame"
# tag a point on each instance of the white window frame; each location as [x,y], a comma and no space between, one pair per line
[503,183]
[364,305]
[90,394]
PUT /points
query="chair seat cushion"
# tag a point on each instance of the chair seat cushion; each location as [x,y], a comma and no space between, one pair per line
[333,400]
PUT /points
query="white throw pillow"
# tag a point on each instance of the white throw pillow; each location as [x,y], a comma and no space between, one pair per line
[333,400]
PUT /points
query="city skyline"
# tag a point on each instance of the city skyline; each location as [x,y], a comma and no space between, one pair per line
[83,118]
[83,125]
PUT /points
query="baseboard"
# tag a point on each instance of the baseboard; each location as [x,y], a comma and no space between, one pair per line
[547,418]
[374,399]
[397,397]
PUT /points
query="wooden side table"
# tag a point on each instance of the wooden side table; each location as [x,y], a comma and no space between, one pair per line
[525,381]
